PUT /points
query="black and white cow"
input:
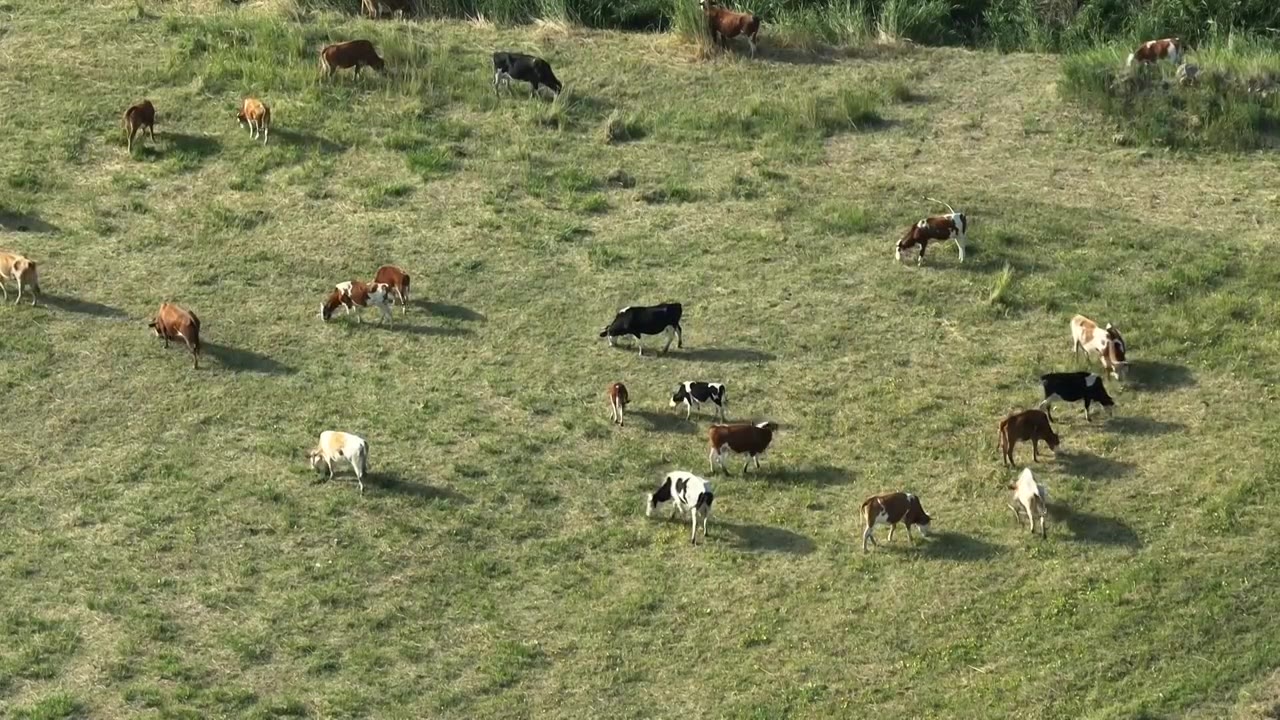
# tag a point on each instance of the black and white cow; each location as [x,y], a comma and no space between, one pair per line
[647,320]
[526,68]
[687,493]
[692,393]
[1074,387]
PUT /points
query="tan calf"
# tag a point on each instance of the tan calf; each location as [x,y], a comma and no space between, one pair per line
[255,113]
[618,400]
[22,271]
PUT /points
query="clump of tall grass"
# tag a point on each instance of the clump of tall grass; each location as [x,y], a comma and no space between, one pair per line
[804,27]
[1001,290]
[924,21]
[622,127]
[690,24]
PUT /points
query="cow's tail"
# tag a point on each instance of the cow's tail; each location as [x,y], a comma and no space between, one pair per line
[949,208]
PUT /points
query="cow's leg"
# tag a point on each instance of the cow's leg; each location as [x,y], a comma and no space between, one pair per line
[688,408]
[19,298]
[746,465]
[1016,515]
[892,527]
[328,464]
[1086,411]
[639,344]
[669,332]
[960,243]
[867,535]
[924,245]
[679,337]
[757,459]
[611,340]
[1035,449]
[752,40]
[910,540]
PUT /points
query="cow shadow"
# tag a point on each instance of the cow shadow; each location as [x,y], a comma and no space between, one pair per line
[764,539]
[790,56]
[1093,467]
[1143,426]
[818,475]
[238,360]
[954,546]
[1155,376]
[199,147]
[24,222]
[432,330]
[664,422]
[453,312]
[1093,528]
[722,355]
[83,307]
[307,141]
[395,483]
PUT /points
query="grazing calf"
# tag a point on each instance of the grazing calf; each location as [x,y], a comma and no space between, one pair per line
[137,117]
[21,270]
[255,113]
[1153,51]
[618,400]
[893,508]
[1074,387]
[525,68]
[687,493]
[335,446]
[692,392]
[355,295]
[397,279]
[741,438]
[1030,425]
[1107,343]
[176,323]
[1032,497]
[725,24]
[951,226]
[350,54]
[647,320]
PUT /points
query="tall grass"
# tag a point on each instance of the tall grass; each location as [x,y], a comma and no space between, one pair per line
[925,21]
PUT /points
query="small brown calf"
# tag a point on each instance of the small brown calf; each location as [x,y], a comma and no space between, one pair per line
[137,117]
[21,270]
[1030,425]
[255,113]
[726,24]
[893,508]
[397,279]
[173,322]
[350,54]
[618,400]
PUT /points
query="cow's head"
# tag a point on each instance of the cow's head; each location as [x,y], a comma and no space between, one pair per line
[657,498]
[919,517]
[680,395]
[315,458]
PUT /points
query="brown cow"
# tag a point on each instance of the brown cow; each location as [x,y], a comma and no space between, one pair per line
[255,113]
[618,399]
[350,54]
[137,117]
[397,279]
[22,271]
[173,322]
[1030,425]
[726,24]
[893,508]
[743,438]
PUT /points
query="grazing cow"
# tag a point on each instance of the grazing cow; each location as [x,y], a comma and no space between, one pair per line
[647,320]
[1074,387]
[350,54]
[687,493]
[1107,343]
[137,117]
[951,226]
[893,508]
[725,24]
[525,68]
[1032,497]
[1030,425]
[21,270]
[355,295]
[173,322]
[257,116]
[1153,51]
[335,446]
[618,399]
[692,393]
[397,279]
[741,438]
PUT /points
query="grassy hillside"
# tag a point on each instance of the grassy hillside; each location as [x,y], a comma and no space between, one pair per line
[166,552]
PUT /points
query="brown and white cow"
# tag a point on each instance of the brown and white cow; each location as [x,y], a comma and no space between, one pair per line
[1107,343]
[893,508]
[21,270]
[173,322]
[1153,51]
[1030,425]
[951,226]
[354,295]
[618,399]
[742,438]
[398,280]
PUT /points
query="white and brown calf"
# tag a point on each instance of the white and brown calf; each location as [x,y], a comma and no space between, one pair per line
[335,446]
[1031,497]
[1106,342]
[618,399]
[942,228]
[1153,51]
[893,508]
[354,295]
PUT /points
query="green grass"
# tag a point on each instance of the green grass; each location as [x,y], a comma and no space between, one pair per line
[166,552]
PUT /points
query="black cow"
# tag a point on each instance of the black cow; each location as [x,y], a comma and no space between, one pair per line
[693,392]
[1074,387]
[647,320]
[526,68]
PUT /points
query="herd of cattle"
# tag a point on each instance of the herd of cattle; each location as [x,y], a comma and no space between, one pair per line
[686,492]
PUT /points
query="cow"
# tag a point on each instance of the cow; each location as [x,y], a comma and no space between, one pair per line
[647,320]
[692,393]
[742,438]
[355,295]
[525,68]
[1153,51]
[350,54]
[1025,425]
[397,279]
[951,226]
[1074,387]
[173,322]
[335,446]
[21,270]
[687,493]
[1107,343]
[137,117]
[618,400]
[257,116]
[893,508]
[1032,497]
[725,24]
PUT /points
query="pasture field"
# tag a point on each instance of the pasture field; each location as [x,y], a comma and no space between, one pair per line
[166,552]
